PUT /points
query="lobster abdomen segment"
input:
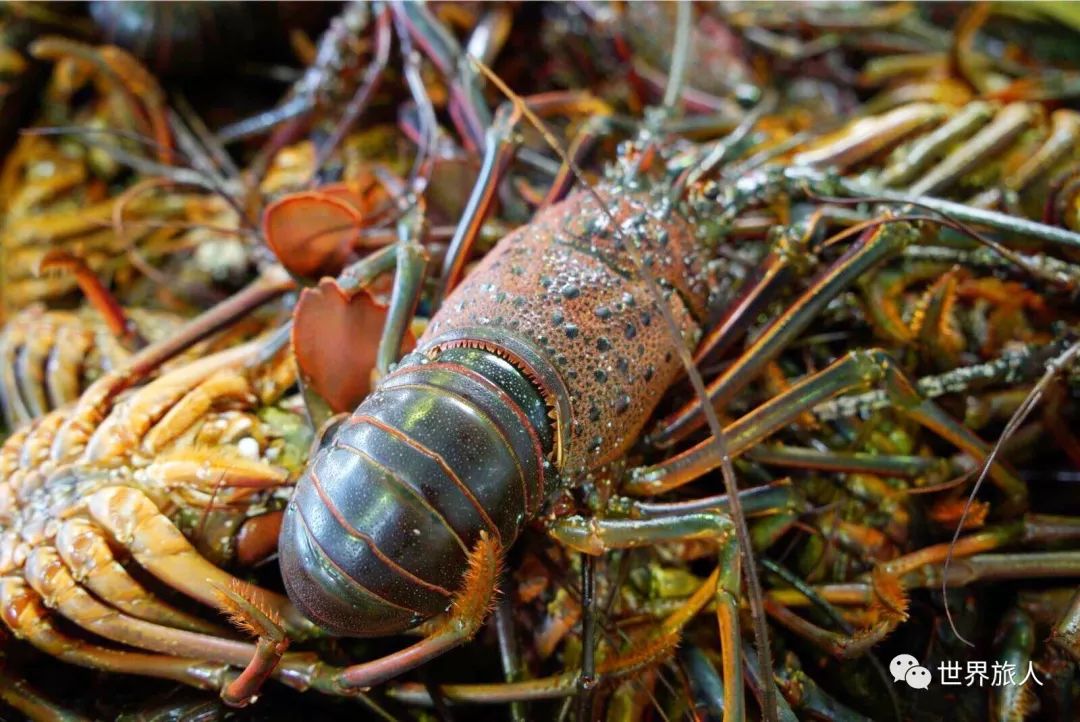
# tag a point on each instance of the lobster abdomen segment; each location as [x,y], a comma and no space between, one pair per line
[377,535]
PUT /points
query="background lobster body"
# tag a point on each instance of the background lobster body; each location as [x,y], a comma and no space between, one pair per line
[543,364]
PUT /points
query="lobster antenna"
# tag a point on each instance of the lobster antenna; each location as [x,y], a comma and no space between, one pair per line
[1053,368]
[428,124]
[81,130]
[180,174]
[680,56]
[756,598]
[363,95]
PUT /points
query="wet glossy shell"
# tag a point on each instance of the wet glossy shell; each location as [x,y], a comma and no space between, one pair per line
[377,535]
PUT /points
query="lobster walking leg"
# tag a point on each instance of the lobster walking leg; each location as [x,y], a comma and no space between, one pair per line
[776,271]
[62,380]
[892,607]
[1065,127]
[119,73]
[408,285]
[756,683]
[957,211]
[856,370]
[17,411]
[468,611]
[499,148]
[587,681]
[1066,634]
[873,247]
[159,547]
[705,683]
[768,499]
[836,618]
[26,615]
[851,462]
[924,150]
[269,649]
[869,136]
[27,472]
[1009,123]
[30,369]
[469,110]
[100,298]
[653,648]
[807,697]
[50,578]
[149,405]
[923,568]
[509,652]
[86,414]
[224,385]
[85,550]
[1016,635]
[596,536]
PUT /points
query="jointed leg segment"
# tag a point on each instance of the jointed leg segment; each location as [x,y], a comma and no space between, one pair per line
[857,371]
[596,536]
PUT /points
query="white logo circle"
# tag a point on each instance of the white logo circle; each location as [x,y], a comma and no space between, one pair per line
[900,665]
[918,677]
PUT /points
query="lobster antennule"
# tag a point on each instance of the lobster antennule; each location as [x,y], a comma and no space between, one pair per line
[377,536]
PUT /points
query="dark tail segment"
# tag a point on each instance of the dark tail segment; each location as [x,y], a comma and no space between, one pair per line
[377,534]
